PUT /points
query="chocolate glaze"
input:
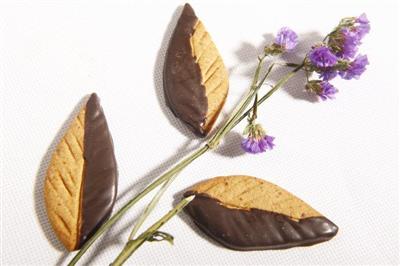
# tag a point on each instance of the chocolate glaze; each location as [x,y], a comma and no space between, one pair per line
[256,229]
[185,94]
[100,171]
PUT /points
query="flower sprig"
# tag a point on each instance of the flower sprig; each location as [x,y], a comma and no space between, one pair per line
[257,140]
[334,56]
[285,40]
[337,55]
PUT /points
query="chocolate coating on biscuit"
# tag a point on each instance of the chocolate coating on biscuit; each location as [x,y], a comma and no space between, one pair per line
[185,94]
[100,171]
[254,229]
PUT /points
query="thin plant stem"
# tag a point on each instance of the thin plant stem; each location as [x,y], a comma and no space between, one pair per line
[233,122]
[280,83]
[254,108]
[133,245]
[253,90]
[151,206]
[214,141]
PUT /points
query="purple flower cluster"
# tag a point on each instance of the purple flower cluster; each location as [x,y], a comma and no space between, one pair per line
[362,25]
[328,74]
[346,38]
[257,145]
[349,40]
[322,57]
[338,56]
[327,91]
[329,59]
[256,141]
[323,89]
[355,68]
[286,39]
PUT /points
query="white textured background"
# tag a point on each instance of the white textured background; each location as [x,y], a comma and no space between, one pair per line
[340,156]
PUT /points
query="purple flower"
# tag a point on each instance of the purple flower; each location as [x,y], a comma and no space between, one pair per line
[355,68]
[362,19]
[363,27]
[322,57]
[286,38]
[257,145]
[350,40]
[345,41]
[328,74]
[326,91]
[323,89]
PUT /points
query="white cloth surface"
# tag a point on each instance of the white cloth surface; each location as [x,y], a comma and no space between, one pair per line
[340,156]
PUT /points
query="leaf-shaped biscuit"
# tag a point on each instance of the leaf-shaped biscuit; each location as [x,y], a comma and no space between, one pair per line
[195,78]
[81,182]
[246,213]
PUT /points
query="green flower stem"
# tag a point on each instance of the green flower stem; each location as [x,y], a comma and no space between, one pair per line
[233,121]
[280,83]
[133,201]
[242,106]
[236,115]
[291,65]
[133,245]
[254,109]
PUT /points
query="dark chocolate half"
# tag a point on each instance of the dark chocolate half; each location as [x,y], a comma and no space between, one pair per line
[100,171]
[185,94]
[255,229]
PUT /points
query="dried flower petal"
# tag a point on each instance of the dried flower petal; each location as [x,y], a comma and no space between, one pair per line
[328,74]
[322,57]
[327,91]
[363,26]
[356,68]
[286,38]
[258,145]
[350,43]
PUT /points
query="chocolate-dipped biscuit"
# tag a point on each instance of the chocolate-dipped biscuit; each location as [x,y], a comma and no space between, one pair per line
[246,213]
[81,182]
[195,78]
